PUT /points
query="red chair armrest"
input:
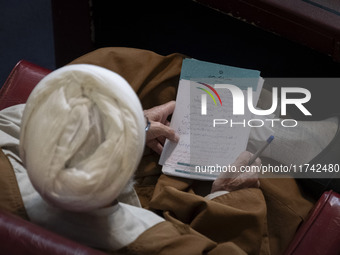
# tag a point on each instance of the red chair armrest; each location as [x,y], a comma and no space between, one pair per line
[19,236]
[320,233]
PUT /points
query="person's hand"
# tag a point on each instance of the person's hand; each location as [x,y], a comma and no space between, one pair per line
[230,181]
[159,126]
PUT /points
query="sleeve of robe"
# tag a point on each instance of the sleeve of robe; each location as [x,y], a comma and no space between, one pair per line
[233,223]
[247,221]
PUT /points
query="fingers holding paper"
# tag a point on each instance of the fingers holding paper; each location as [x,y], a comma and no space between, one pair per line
[231,181]
[157,134]
[159,126]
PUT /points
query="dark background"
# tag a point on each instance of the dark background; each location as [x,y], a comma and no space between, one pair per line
[26,32]
[197,31]
[53,33]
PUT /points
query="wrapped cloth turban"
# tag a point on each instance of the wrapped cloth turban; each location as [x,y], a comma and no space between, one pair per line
[82,136]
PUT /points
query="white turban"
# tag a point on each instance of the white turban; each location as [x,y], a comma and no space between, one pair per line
[82,136]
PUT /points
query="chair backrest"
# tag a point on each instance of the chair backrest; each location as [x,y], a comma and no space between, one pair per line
[19,84]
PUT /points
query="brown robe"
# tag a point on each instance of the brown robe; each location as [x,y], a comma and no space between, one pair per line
[247,221]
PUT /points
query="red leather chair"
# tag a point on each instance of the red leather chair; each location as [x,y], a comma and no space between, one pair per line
[18,236]
[19,84]
[319,234]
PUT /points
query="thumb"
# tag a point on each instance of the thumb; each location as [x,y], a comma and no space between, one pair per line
[168,108]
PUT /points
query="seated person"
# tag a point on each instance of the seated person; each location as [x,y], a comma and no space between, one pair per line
[82,136]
